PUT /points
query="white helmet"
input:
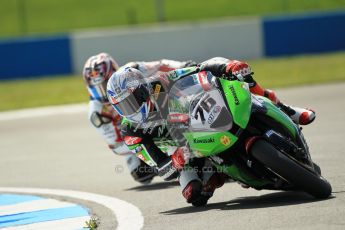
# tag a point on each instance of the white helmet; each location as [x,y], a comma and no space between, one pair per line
[96,73]
[129,93]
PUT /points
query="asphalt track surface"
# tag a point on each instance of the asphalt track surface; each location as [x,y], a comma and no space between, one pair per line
[63,151]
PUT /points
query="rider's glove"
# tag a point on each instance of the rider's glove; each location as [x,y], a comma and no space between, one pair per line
[216,68]
[181,157]
[238,70]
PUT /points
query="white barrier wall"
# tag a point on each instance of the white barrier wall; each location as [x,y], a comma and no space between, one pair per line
[241,39]
[232,39]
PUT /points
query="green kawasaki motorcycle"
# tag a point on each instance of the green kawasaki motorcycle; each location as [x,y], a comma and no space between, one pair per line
[244,135]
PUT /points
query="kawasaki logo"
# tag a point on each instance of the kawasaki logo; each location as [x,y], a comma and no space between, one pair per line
[232,89]
[203,141]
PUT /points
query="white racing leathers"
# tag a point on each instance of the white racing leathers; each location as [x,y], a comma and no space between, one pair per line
[106,121]
[104,118]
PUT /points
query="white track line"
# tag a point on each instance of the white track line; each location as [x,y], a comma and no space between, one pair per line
[70,223]
[43,111]
[128,216]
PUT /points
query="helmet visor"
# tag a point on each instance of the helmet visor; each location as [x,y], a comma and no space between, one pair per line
[128,105]
[130,101]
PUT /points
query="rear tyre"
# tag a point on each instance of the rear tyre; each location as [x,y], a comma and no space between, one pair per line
[294,173]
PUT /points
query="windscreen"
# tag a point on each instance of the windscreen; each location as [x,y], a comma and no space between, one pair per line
[197,105]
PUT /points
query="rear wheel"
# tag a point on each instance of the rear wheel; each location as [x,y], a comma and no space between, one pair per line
[290,170]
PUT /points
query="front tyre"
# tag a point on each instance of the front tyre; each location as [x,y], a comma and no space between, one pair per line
[317,168]
[290,170]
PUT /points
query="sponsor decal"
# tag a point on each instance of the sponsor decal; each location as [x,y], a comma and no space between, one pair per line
[195,79]
[117,90]
[124,82]
[203,141]
[112,97]
[244,71]
[140,156]
[225,140]
[214,114]
[132,140]
[202,77]
[187,192]
[245,85]
[116,98]
[133,84]
[138,149]
[180,71]
[211,118]
[95,80]
[157,90]
[178,118]
[233,92]
[173,75]
[160,131]
[176,74]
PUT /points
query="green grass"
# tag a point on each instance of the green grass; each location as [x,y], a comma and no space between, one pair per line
[20,17]
[42,92]
[299,70]
[270,73]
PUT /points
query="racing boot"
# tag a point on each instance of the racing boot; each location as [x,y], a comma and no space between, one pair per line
[196,192]
[193,194]
[192,187]
[298,115]
[216,180]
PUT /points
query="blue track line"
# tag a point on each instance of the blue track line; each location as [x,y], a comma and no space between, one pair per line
[43,215]
[9,199]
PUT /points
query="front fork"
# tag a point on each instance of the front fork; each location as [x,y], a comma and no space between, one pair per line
[299,154]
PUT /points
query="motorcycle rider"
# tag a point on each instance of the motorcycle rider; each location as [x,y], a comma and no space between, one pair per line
[143,102]
[96,73]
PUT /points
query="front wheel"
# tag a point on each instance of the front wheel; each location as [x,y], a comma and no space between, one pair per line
[290,170]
